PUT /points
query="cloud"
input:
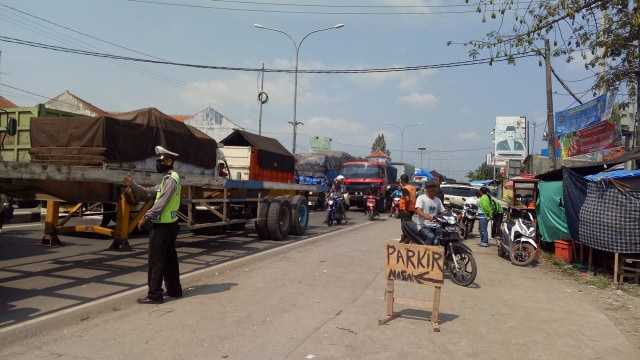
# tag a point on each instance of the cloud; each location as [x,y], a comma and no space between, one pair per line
[425,99]
[467,136]
[404,80]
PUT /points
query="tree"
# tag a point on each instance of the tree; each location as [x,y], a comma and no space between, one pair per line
[483,172]
[381,144]
[604,33]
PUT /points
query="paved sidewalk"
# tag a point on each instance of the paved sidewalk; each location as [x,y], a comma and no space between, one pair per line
[322,299]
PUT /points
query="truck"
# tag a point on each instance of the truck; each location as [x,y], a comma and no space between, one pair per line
[404,168]
[362,177]
[84,159]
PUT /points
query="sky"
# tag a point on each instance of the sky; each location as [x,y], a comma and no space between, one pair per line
[455,104]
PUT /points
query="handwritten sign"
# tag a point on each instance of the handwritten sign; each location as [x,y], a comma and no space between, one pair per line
[414,263]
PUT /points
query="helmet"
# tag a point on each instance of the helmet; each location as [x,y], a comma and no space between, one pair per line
[339,178]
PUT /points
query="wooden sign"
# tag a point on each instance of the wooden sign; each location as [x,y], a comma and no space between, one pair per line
[418,264]
[414,263]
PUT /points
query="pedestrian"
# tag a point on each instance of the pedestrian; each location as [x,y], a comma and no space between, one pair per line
[428,205]
[485,213]
[498,215]
[407,204]
[163,215]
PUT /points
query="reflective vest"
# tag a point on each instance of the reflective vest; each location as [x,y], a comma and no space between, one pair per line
[170,212]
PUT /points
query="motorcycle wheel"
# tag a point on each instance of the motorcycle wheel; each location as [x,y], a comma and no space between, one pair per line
[329,218]
[523,254]
[465,273]
[467,230]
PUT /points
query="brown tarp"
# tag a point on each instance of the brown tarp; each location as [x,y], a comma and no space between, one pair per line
[127,137]
[272,155]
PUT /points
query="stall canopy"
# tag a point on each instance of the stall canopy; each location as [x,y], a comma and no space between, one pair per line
[550,212]
[423,173]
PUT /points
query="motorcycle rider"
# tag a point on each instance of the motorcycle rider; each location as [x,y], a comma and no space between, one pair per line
[396,193]
[428,205]
[407,204]
[337,190]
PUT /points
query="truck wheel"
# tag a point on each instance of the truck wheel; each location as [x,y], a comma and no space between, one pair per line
[279,218]
[261,222]
[299,215]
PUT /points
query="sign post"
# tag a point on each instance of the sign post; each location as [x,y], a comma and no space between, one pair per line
[417,264]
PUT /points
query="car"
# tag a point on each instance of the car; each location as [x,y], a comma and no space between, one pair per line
[457,194]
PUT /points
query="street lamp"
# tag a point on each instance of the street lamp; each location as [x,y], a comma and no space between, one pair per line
[295,86]
[402,135]
[421,151]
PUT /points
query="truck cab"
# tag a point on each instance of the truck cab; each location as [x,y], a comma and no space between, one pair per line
[361,176]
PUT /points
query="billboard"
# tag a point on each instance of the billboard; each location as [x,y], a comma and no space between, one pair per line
[510,140]
[582,116]
[601,136]
[319,143]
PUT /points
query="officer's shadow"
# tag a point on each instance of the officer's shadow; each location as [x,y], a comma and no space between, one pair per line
[207,289]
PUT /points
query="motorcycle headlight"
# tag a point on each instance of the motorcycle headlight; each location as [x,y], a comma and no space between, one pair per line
[450,219]
[330,202]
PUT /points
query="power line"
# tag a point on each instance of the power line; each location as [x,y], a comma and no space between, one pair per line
[232,68]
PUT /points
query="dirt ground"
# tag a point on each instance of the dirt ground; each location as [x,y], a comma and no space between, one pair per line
[621,307]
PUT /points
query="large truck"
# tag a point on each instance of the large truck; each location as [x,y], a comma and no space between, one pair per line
[363,177]
[84,159]
[404,168]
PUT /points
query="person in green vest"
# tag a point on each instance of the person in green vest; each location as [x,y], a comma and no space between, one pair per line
[163,215]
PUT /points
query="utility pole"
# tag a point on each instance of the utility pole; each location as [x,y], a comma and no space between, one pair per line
[550,126]
[262,99]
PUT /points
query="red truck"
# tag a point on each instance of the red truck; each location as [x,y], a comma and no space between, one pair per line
[361,177]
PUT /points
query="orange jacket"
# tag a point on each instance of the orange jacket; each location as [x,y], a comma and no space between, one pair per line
[411,204]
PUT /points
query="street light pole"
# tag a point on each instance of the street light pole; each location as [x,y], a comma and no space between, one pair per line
[295,85]
[422,149]
[402,136]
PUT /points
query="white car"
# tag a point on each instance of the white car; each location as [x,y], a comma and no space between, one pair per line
[457,194]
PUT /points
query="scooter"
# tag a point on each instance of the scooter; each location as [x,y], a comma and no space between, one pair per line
[395,206]
[517,239]
[370,207]
[333,210]
[458,259]
[468,219]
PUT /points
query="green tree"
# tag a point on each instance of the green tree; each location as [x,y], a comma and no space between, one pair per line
[603,33]
[381,144]
[483,172]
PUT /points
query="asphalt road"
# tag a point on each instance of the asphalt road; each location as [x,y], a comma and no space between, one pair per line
[318,297]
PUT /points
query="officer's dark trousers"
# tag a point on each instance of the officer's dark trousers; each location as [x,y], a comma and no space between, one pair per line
[163,261]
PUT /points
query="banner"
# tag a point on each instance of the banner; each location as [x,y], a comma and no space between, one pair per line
[601,136]
[510,140]
[587,114]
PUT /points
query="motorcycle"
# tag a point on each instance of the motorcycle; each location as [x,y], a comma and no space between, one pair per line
[517,239]
[395,206]
[458,259]
[468,219]
[333,210]
[370,207]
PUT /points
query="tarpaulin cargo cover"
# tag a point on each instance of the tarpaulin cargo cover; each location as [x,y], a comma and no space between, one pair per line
[127,137]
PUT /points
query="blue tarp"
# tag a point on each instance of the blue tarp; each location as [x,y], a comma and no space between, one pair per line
[615,174]
[423,172]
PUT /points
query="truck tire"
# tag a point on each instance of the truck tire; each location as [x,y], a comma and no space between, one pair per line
[279,218]
[261,222]
[299,215]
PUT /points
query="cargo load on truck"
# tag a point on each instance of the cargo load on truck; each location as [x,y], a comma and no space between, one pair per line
[321,166]
[255,157]
[126,138]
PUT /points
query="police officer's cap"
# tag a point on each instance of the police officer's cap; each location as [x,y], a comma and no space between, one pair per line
[160,151]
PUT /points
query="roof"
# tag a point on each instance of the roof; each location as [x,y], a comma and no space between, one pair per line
[4,103]
[61,102]
[378,153]
[180,118]
[244,138]
[592,168]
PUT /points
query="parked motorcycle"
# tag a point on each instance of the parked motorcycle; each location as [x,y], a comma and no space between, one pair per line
[370,210]
[517,239]
[395,206]
[468,219]
[458,259]
[333,210]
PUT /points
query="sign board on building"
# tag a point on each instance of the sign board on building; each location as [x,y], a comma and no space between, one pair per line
[510,142]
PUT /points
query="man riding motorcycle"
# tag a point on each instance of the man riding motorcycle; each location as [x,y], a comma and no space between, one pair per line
[337,190]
